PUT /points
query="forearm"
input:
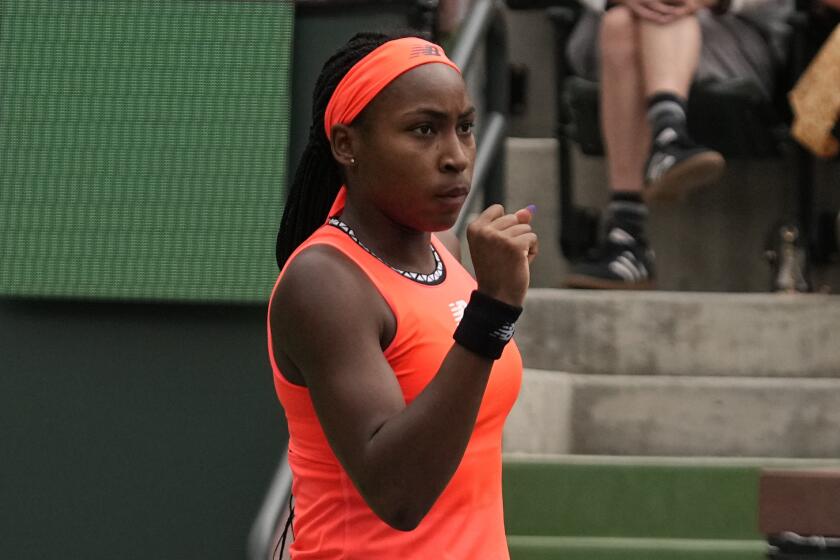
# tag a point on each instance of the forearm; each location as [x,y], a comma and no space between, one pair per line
[410,459]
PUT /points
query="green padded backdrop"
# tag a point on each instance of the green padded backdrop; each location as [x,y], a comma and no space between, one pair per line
[143,147]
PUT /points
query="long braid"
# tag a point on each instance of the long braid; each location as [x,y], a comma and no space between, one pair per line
[318,177]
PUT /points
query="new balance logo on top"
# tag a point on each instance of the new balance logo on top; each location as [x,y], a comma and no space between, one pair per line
[457,309]
[428,50]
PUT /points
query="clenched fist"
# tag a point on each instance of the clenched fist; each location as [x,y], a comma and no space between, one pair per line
[502,247]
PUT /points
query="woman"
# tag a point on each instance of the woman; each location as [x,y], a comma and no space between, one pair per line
[395,429]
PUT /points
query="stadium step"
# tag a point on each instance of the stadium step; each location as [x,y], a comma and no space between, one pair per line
[675,415]
[597,507]
[681,333]
[678,373]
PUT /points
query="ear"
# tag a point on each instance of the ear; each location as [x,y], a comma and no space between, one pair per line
[343,144]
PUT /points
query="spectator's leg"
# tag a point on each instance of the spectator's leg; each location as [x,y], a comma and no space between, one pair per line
[624,260]
[670,54]
[623,106]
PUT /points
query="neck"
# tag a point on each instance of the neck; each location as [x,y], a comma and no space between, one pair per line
[394,243]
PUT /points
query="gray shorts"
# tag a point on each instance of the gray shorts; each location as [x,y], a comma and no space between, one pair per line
[732,48]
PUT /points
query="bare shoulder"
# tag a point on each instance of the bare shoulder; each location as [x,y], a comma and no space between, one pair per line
[322,278]
[323,294]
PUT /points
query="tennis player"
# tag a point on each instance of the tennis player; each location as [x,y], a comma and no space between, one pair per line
[395,368]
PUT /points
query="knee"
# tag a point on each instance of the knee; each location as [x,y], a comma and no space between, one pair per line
[618,38]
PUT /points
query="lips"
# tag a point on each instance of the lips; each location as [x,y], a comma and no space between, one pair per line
[455,192]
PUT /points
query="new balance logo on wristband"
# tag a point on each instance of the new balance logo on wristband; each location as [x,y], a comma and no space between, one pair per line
[486,325]
[505,332]
[457,309]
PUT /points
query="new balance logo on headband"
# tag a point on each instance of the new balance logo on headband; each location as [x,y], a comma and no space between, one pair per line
[425,50]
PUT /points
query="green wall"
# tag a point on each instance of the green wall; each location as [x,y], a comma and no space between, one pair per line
[143,147]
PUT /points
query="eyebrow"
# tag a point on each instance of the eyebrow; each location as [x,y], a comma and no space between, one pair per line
[437,114]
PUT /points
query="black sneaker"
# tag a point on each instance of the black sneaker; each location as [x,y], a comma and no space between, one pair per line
[677,165]
[624,263]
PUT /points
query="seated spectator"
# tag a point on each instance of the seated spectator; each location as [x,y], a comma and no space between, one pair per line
[646,54]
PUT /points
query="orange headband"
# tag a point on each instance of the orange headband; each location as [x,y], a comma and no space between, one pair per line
[376,70]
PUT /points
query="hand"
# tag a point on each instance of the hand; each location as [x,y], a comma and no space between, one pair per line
[502,247]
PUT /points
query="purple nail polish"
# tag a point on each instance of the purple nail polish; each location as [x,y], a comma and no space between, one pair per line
[532,208]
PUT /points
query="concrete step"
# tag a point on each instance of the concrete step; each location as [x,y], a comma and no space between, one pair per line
[570,506]
[679,416]
[678,333]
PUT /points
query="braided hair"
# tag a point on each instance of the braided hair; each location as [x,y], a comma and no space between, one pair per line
[318,176]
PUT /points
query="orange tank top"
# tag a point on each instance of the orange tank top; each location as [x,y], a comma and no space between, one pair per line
[332,521]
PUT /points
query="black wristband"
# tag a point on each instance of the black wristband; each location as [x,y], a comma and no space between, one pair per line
[487,325]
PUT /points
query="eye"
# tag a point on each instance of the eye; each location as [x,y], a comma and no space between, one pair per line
[424,130]
[466,127]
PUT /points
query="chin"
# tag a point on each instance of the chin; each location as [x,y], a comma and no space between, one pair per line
[443,225]
[433,222]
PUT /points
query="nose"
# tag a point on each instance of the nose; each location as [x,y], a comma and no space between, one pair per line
[455,156]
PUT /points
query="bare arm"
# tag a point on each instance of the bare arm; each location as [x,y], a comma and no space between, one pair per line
[400,457]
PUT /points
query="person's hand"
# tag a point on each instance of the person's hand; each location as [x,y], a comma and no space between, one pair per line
[663,11]
[502,247]
[689,7]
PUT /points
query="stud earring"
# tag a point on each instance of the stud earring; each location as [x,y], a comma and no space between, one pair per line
[353,161]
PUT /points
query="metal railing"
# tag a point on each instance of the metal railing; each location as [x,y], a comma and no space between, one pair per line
[484,22]
[266,527]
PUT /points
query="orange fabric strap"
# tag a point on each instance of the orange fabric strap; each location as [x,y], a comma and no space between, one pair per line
[338,203]
[372,73]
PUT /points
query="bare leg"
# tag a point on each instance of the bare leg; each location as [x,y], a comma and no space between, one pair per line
[623,122]
[670,54]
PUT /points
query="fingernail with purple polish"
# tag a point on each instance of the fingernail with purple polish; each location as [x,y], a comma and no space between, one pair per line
[532,208]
